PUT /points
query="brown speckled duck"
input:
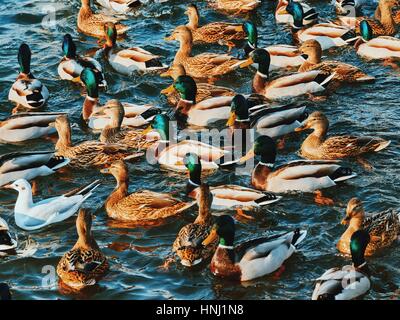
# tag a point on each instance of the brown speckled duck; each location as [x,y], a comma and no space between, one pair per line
[234,6]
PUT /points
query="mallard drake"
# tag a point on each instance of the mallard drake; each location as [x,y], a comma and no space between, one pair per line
[119,6]
[327,34]
[383,227]
[318,146]
[234,6]
[27,125]
[72,65]
[92,24]
[205,65]
[129,60]
[187,244]
[142,207]
[27,91]
[84,264]
[33,216]
[170,155]
[287,86]
[135,115]
[382,47]
[204,90]
[216,32]
[349,282]
[224,196]
[29,165]
[343,72]
[299,175]
[273,121]
[283,16]
[8,241]
[88,153]
[253,258]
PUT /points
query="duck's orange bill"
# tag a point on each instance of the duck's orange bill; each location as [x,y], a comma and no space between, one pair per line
[147,130]
[166,74]
[302,127]
[238,28]
[170,38]
[211,237]
[249,155]
[231,120]
[247,63]
[168,90]
[345,221]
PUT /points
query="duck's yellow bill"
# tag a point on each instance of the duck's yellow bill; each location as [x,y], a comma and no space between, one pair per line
[249,155]
[231,120]
[238,28]
[166,74]
[170,38]
[147,130]
[302,127]
[168,90]
[345,221]
[211,238]
[247,63]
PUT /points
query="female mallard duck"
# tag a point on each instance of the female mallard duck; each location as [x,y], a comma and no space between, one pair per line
[317,146]
[29,165]
[129,60]
[112,132]
[27,125]
[225,196]
[283,16]
[72,65]
[343,72]
[135,115]
[119,6]
[88,153]
[84,265]
[300,175]
[349,282]
[215,32]
[234,7]
[327,34]
[205,65]
[383,227]
[204,90]
[142,207]
[273,121]
[253,258]
[8,241]
[382,47]
[170,156]
[288,86]
[187,244]
[27,91]
[92,24]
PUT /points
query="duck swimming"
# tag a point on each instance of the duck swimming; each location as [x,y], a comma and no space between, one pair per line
[234,6]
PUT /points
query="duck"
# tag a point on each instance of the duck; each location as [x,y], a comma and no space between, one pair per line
[328,34]
[8,241]
[234,7]
[5,293]
[112,132]
[382,227]
[91,23]
[170,155]
[383,47]
[24,126]
[334,283]
[224,196]
[29,165]
[84,265]
[72,65]
[343,72]
[33,216]
[204,90]
[205,65]
[127,61]
[187,245]
[143,207]
[283,16]
[222,33]
[299,175]
[297,84]
[88,153]
[250,259]
[317,146]
[119,6]
[27,91]
[270,120]
[135,115]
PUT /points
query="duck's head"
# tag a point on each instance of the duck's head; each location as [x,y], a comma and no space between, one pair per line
[366,30]
[239,110]
[193,164]
[174,71]
[118,169]
[181,34]
[262,58]
[388,3]
[20,185]
[316,121]
[90,79]
[354,209]
[160,123]
[62,125]
[296,10]
[264,147]
[224,228]
[112,109]
[110,33]
[311,50]
[187,88]
[5,293]
[358,243]
[24,59]
[192,12]
[68,47]
[250,30]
